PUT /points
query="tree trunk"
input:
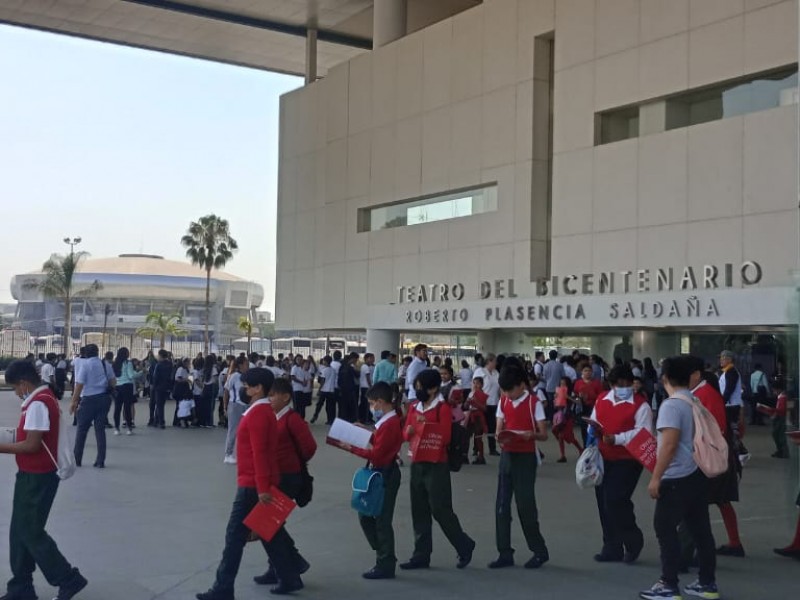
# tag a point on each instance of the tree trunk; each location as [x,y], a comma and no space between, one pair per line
[163,341]
[249,344]
[208,309]
[67,333]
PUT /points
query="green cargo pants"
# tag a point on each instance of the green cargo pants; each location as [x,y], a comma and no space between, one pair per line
[378,530]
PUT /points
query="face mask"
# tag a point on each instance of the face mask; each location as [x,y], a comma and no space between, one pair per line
[377,413]
[623,393]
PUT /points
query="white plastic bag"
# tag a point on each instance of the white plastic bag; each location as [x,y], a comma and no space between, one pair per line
[65,464]
[589,470]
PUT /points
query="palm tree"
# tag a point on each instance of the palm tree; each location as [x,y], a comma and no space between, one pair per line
[209,245]
[161,325]
[246,327]
[59,283]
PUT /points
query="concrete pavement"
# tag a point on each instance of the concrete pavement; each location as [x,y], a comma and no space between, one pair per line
[151,526]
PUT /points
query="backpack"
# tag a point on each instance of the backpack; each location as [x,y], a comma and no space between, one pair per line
[368,492]
[710,449]
[457,450]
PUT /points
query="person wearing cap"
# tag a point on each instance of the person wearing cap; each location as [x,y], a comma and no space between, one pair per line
[258,473]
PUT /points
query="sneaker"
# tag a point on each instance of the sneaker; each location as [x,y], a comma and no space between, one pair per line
[698,590]
[129,432]
[536,561]
[116,432]
[377,573]
[72,587]
[229,459]
[745,458]
[661,590]
[728,550]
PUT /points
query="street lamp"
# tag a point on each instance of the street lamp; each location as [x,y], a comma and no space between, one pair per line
[67,332]
[72,242]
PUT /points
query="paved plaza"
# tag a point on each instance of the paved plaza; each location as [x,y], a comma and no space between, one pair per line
[151,526]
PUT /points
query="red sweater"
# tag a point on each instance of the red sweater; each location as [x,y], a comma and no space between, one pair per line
[257,449]
[591,390]
[40,462]
[441,414]
[713,402]
[296,444]
[519,418]
[386,443]
[780,405]
[616,417]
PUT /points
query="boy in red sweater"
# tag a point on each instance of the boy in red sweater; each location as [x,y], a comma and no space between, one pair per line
[520,423]
[476,419]
[296,447]
[257,474]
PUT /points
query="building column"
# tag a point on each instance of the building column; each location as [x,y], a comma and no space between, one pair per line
[379,340]
[656,344]
[311,56]
[389,22]
[487,341]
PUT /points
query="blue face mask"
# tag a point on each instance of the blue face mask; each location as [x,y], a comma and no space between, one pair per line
[623,393]
[377,413]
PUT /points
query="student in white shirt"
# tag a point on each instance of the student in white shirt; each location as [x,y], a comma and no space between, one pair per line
[364,383]
[48,372]
[327,391]
[465,378]
[299,377]
[235,405]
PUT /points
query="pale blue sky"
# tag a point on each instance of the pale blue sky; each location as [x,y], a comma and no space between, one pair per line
[125,147]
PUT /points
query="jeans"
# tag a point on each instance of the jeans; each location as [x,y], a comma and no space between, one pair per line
[92,409]
[517,477]
[236,534]
[615,507]
[30,545]
[235,412]
[684,499]
[123,404]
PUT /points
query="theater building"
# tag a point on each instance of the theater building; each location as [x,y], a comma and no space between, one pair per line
[620,169]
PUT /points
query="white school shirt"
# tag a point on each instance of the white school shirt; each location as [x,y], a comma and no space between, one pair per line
[197,387]
[300,374]
[309,374]
[329,385]
[465,379]
[336,365]
[48,371]
[366,371]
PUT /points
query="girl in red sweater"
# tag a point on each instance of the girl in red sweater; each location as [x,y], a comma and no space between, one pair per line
[431,493]
[382,456]
[564,419]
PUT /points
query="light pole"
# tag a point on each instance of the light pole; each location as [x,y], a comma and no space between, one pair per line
[67,332]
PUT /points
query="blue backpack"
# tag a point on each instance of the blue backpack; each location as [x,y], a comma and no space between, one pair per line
[368,491]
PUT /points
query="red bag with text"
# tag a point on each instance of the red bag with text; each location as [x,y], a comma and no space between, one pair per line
[644,448]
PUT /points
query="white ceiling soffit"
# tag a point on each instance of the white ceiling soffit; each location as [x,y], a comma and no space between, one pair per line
[262,34]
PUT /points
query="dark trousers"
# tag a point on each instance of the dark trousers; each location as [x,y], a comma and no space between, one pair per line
[236,534]
[432,497]
[123,404]
[159,406]
[491,425]
[92,409]
[364,415]
[684,499]
[517,477]
[549,408]
[207,402]
[290,485]
[30,545]
[327,400]
[299,403]
[779,436]
[347,405]
[378,530]
[615,506]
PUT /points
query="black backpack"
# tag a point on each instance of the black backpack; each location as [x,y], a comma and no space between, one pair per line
[457,451]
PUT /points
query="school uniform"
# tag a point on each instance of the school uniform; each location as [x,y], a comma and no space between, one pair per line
[517,477]
[623,419]
[431,492]
[386,443]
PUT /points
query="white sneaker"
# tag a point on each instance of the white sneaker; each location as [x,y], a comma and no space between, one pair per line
[116,432]
[229,460]
[130,432]
[744,458]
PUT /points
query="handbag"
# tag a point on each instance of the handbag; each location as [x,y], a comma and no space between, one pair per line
[368,492]
[306,490]
[110,389]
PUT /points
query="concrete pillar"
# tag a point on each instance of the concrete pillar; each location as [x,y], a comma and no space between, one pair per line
[603,346]
[311,56]
[656,344]
[389,22]
[379,340]
[487,342]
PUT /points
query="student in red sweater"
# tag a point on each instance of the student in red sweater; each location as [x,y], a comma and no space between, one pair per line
[587,389]
[522,419]
[382,456]
[621,415]
[431,492]
[296,447]
[257,473]
[476,419]
[35,489]
[564,420]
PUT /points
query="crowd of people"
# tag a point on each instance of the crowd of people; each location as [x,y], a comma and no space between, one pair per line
[502,402]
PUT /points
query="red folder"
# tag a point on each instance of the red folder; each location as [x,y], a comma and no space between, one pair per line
[267,519]
[644,448]
[428,443]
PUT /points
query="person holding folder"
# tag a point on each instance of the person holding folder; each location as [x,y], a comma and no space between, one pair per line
[520,423]
[257,473]
[382,456]
[431,493]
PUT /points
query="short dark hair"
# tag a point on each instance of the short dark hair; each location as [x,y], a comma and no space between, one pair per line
[479,379]
[553,354]
[337,355]
[429,379]
[696,363]
[22,370]
[539,354]
[258,376]
[620,373]
[385,354]
[419,347]
[92,351]
[381,391]
[677,370]
[163,353]
[281,386]
[510,377]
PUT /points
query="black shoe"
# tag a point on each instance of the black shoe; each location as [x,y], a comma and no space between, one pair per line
[466,558]
[726,550]
[633,551]
[212,595]
[287,587]
[602,557]
[788,552]
[313,420]
[502,562]
[31,595]
[72,587]
[99,466]
[268,578]
[377,573]
[414,564]
[537,560]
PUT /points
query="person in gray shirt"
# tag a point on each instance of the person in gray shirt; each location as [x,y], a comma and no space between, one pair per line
[553,371]
[680,489]
[94,384]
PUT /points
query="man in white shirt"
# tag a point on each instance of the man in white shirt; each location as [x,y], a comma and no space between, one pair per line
[48,371]
[327,389]
[491,387]
[417,366]
[298,376]
[364,383]
[569,369]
